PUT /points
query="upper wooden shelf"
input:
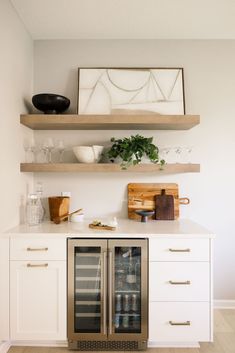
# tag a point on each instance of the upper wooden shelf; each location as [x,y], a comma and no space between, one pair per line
[109,122]
[109,167]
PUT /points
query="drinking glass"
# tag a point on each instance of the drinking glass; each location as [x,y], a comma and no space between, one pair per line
[30,150]
[178,154]
[61,148]
[48,146]
[164,153]
[189,150]
[187,154]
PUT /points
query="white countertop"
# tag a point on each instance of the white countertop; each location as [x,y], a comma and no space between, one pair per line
[125,228]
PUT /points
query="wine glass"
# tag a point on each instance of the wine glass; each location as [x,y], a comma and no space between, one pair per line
[48,146]
[164,153]
[178,154]
[30,150]
[186,154]
[61,148]
[189,150]
[26,146]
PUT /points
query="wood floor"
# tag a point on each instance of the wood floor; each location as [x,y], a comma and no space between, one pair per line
[224,339]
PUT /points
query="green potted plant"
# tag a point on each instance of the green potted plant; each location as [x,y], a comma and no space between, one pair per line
[132,149]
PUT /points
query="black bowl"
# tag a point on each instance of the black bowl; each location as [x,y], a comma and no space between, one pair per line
[50,103]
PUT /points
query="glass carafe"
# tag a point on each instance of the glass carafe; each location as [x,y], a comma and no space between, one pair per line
[33,210]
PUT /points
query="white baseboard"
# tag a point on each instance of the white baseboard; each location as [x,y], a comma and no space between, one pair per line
[40,343]
[4,346]
[152,344]
[224,304]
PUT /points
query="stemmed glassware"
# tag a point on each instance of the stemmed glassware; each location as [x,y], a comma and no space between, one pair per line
[60,148]
[47,147]
[164,153]
[26,145]
[31,151]
[187,154]
[177,152]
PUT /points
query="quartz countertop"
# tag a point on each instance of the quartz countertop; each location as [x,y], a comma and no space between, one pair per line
[125,228]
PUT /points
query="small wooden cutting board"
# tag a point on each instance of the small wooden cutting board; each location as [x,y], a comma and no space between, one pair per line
[101,227]
[164,207]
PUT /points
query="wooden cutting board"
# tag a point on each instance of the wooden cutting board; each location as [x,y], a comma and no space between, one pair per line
[141,196]
[102,227]
[164,207]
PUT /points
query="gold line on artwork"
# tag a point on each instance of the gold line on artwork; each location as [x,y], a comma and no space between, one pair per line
[177,75]
[92,92]
[154,78]
[136,94]
[124,89]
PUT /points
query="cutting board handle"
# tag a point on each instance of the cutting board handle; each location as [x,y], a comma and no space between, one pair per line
[184,201]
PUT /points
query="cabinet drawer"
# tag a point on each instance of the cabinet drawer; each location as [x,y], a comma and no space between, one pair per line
[193,321]
[179,249]
[176,281]
[37,249]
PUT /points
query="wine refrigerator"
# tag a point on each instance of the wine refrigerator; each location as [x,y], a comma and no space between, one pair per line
[107,294]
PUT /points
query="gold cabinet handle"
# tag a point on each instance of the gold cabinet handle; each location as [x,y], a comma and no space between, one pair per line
[37,265]
[180,282]
[37,249]
[185,323]
[105,293]
[179,250]
[110,293]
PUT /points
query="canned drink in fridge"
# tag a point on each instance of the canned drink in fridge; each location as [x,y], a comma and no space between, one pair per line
[126,303]
[117,321]
[136,322]
[118,306]
[125,321]
[134,302]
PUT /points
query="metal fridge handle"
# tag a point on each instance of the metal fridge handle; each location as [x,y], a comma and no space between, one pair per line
[105,293]
[110,292]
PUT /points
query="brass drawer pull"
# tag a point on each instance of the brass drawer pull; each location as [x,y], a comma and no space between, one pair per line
[184,282]
[37,265]
[37,249]
[180,250]
[186,323]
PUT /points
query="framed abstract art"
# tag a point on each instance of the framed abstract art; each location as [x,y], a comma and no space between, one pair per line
[131,91]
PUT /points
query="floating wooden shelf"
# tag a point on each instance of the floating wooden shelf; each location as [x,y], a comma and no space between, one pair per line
[110,122]
[108,167]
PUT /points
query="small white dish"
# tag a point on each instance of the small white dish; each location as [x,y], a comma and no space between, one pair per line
[77,218]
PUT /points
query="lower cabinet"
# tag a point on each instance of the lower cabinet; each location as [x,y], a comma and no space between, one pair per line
[4,289]
[179,322]
[38,300]
[180,291]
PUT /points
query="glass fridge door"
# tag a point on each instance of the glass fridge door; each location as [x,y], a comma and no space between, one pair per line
[87,288]
[128,292]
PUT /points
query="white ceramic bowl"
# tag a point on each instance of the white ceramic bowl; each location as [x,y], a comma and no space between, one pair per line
[76,218]
[88,154]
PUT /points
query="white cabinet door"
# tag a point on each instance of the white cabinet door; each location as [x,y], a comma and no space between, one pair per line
[38,300]
[4,289]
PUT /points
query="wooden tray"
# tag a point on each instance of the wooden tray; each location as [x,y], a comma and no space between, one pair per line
[101,227]
[141,196]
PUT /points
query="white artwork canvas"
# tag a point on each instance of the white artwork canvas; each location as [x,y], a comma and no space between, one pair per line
[131,91]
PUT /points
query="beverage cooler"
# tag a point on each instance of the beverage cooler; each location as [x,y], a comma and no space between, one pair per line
[107,294]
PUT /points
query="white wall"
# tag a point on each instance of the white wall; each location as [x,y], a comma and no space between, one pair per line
[209,86]
[16,73]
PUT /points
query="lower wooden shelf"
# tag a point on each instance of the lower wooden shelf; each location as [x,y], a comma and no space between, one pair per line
[109,167]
